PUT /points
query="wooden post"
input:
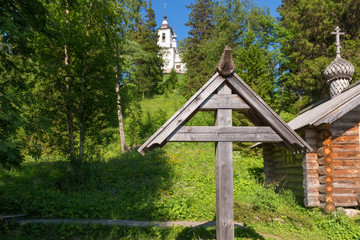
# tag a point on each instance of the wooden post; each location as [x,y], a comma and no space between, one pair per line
[224,176]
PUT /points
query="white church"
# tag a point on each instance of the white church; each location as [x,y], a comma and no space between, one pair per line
[168,42]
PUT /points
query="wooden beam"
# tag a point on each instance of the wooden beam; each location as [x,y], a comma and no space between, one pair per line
[158,139]
[224,176]
[231,101]
[292,141]
[224,134]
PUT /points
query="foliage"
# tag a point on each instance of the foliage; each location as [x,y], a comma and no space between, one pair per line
[171,82]
[201,23]
[248,30]
[174,183]
[18,23]
[308,46]
[147,73]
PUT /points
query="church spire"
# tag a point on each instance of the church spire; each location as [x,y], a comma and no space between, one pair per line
[165,11]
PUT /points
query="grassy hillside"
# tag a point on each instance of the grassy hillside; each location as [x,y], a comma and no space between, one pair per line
[176,182]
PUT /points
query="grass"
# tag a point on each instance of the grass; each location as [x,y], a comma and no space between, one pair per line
[173,183]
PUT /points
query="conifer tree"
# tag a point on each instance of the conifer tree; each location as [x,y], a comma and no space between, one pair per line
[201,23]
[308,46]
[148,73]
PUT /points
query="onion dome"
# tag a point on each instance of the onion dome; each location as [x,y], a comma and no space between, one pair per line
[339,68]
[339,72]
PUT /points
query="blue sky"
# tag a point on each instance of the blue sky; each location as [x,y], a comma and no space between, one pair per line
[177,13]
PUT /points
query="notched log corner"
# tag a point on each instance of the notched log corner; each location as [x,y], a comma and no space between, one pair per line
[226,65]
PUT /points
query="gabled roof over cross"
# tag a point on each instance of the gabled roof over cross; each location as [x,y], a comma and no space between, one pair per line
[269,126]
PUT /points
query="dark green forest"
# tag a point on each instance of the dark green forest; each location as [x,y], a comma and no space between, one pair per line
[81,88]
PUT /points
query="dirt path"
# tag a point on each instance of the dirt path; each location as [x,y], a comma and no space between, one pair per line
[134,223]
[129,223]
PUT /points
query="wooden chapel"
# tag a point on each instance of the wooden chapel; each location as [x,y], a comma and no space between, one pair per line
[329,175]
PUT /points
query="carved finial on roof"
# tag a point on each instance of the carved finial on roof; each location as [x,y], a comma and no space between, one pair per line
[165,11]
[337,43]
[226,65]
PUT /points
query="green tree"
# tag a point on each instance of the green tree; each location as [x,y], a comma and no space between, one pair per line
[171,81]
[250,32]
[308,46]
[79,68]
[201,23]
[19,21]
[148,72]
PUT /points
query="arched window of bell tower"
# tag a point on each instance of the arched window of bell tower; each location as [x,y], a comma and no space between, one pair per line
[163,37]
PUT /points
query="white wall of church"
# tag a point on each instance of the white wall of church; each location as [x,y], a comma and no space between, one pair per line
[167,41]
[164,39]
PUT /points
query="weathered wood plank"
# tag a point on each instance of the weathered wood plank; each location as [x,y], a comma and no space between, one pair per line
[182,115]
[292,140]
[286,171]
[310,165]
[346,185]
[311,133]
[344,155]
[224,134]
[311,173]
[346,140]
[311,156]
[344,131]
[344,124]
[311,183]
[346,163]
[311,201]
[224,176]
[340,111]
[222,101]
[313,192]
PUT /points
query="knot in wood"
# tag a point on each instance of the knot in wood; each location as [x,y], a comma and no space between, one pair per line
[226,65]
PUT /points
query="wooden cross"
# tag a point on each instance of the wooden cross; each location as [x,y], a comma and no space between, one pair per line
[223,93]
[337,43]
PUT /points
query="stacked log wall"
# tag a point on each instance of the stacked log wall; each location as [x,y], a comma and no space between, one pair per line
[283,168]
[310,167]
[346,159]
[325,168]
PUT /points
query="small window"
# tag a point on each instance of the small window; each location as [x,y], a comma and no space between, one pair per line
[163,37]
[178,66]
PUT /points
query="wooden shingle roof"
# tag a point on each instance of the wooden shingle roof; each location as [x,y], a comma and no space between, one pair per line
[330,109]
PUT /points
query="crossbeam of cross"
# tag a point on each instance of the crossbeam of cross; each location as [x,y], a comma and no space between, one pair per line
[337,43]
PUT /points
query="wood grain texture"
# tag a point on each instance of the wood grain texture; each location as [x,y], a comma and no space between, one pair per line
[224,176]
[291,139]
[224,134]
[180,118]
[223,101]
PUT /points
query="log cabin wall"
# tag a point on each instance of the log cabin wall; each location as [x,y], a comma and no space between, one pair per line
[310,170]
[346,159]
[283,168]
[329,176]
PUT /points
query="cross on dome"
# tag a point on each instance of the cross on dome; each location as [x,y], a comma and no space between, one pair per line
[337,43]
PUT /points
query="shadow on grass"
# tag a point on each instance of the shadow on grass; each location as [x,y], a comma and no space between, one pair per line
[88,231]
[127,187]
[206,232]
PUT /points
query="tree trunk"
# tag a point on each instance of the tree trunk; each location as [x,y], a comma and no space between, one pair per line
[68,108]
[120,120]
[82,117]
